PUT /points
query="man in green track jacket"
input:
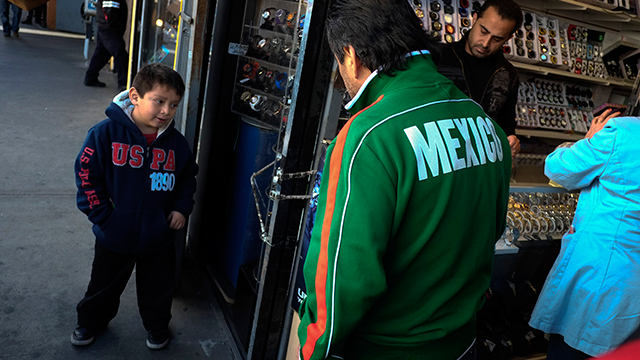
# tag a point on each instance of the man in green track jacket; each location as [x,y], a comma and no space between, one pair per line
[412,201]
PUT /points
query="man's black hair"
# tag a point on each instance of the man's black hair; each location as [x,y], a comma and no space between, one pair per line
[157,74]
[506,9]
[382,32]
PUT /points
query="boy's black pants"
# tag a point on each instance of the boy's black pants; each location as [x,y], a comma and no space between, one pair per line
[155,283]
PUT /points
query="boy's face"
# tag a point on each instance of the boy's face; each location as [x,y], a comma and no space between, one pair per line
[155,109]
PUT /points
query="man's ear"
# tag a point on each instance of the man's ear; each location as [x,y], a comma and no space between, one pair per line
[352,62]
[134,96]
[475,18]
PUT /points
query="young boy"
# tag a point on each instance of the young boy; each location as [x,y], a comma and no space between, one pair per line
[136,179]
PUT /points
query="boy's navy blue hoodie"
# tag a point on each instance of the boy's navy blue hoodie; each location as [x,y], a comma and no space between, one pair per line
[126,188]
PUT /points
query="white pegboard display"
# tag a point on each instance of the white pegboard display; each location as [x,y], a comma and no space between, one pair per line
[446,20]
[554,105]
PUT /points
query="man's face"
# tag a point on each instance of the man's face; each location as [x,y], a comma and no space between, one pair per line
[488,34]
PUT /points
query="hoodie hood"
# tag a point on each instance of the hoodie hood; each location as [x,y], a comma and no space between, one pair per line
[123,101]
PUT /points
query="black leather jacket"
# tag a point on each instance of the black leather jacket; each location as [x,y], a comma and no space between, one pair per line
[497,97]
[113,15]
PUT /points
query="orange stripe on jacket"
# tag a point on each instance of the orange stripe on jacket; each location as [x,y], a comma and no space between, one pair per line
[317,329]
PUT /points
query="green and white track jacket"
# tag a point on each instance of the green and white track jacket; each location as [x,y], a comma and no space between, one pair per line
[413,198]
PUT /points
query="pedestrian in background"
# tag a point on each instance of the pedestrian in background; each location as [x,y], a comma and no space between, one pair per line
[39,14]
[10,24]
[590,302]
[111,16]
[412,201]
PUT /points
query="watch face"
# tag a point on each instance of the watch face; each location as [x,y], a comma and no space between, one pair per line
[528,18]
[281,16]
[465,22]
[519,33]
[246,96]
[269,14]
[291,18]
[434,6]
[436,26]
[450,29]
[419,13]
[520,52]
[506,49]
[448,9]
[448,18]
[448,38]
[434,16]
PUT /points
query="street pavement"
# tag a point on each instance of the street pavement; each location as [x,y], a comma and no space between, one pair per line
[46,243]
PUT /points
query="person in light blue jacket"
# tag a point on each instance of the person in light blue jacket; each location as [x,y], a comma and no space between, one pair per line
[591,299]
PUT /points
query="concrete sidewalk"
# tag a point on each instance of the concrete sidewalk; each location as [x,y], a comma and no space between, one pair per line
[46,244]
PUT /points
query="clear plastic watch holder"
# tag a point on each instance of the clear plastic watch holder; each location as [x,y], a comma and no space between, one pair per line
[539,216]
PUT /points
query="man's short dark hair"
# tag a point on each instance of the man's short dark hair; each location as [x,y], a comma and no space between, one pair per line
[382,32]
[157,74]
[507,9]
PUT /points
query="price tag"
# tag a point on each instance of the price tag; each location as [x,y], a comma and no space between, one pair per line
[238,49]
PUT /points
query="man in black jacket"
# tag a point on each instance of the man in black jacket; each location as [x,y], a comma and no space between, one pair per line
[478,68]
[111,16]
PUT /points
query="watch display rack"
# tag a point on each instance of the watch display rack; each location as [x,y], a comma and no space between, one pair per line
[553,105]
[536,216]
[266,69]
[446,20]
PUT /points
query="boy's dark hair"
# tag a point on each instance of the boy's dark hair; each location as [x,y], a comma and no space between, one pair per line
[157,74]
[507,9]
[382,32]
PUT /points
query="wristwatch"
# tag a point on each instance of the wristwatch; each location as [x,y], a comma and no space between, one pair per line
[268,14]
[291,19]
[281,16]
[281,80]
[257,102]
[249,70]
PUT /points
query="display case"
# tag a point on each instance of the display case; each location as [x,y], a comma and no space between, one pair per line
[267,61]
[159,27]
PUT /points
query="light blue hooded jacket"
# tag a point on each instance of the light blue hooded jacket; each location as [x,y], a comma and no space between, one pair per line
[592,294]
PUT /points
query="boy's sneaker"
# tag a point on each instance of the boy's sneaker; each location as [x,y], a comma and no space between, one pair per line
[157,339]
[82,336]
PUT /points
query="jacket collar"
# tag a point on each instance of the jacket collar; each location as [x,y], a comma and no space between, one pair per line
[377,83]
